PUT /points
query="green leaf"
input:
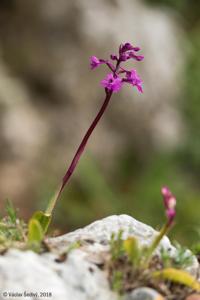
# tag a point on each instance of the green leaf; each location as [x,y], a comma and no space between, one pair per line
[35,231]
[178,276]
[11,212]
[116,245]
[183,257]
[132,249]
[117,281]
[43,218]
[165,257]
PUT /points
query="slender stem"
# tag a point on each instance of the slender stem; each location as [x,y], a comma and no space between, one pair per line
[78,154]
[155,243]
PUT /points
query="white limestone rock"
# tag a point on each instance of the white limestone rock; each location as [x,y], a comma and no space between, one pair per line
[100,232]
[78,277]
[75,278]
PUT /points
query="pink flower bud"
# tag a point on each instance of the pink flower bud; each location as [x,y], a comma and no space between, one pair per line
[94,62]
[170,204]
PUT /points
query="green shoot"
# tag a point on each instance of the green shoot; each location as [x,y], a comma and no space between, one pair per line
[150,250]
[43,219]
[133,251]
[116,245]
[12,230]
[165,257]
[117,281]
[11,212]
[183,258]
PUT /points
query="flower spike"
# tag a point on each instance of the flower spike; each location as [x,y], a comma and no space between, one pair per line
[113,81]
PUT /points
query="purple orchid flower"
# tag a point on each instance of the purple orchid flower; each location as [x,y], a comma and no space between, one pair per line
[94,62]
[113,81]
[133,78]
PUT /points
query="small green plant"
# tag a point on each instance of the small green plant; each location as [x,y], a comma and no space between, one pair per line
[165,257]
[181,260]
[116,245]
[11,212]
[13,231]
[133,251]
[117,281]
[183,257]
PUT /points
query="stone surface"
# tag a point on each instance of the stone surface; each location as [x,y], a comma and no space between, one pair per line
[78,277]
[100,231]
[144,293]
[72,279]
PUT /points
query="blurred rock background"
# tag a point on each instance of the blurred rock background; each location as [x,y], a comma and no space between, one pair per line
[48,97]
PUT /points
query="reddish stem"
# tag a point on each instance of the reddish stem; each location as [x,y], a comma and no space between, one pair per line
[79,152]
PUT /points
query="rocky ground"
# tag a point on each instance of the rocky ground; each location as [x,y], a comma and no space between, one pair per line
[78,274]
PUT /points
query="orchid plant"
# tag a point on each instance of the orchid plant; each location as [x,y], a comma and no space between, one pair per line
[112,83]
[141,256]
[170,210]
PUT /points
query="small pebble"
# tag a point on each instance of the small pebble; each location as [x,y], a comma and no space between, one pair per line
[144,293]
[193,297]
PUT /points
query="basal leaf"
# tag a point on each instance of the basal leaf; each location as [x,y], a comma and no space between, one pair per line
[43,218]
[178,276]
[132,249]
[35,231]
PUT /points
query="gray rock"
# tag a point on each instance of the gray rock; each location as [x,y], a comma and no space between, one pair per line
[100,232]
[78,277]
[144,293]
